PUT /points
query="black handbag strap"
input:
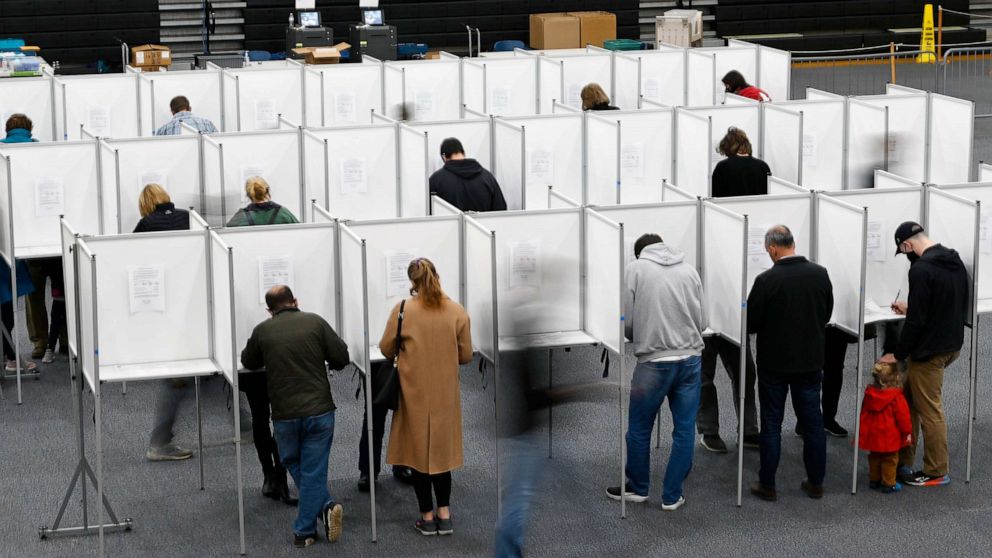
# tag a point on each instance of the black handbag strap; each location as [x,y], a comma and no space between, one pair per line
[399,333]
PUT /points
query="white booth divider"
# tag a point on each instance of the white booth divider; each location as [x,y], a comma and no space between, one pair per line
[106,105]
[550,84]
[746,118]
[414,175]
[423,90]
[510,162]
[840,247]
[694,137]
[700,78]
[35,98]
[36,192]
[676,222]
[814,94]
[602,178]
[481,288]
[441,207]
[254,97]
[342,94]
[896,89]
[647,152]
[557,200]
[724,263]
[604,257]
[554,151]
[69,281]
[782,140]
[474,134]
[775,72]
[501,86]
[671,192]
[982,194]
[866,143]
[952,134]
[906,133]
[885,179]
[201,87]
[579,71]
[353,170]
[273,155]
[658,75]
[822,154]
[779,186]
[128,165]
[984,172]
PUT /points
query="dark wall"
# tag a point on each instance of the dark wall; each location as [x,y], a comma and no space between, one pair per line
[80,32]
[438,24]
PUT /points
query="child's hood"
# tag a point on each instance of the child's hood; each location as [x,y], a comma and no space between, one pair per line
[877,398]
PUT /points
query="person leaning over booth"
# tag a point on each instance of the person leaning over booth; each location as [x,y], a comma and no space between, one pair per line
[464,183]
[734,82]
[262,210]
[788,308]
[182,113]
[594,98]
[936,311]
[296,348]
[426,433]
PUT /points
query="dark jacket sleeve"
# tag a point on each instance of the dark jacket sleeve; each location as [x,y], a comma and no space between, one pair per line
[141,226]
[498,201]
[335,349]
[756,306]
[721,180]
[251,355]
[829,297]
[387,345]
[918,308]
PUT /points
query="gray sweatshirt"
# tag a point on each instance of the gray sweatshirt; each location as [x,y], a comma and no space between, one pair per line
[663,305]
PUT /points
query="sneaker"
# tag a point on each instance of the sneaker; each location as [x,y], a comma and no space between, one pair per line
[713,443]
[26,366]
[752,441]
[49,357]
[629,495]
[169,452]
[923,479]
[675,506]
[426,528]
[814,491]
[875,485]
[765,493]
[904,474]
[444,526]
[890,489]
[834,429]
[303,541]
[332,522]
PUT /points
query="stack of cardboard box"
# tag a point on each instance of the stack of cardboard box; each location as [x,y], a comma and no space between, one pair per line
[151,58]
[571,29]
[322,55]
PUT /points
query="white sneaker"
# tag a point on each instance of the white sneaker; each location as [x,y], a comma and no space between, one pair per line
[675,506]
[49,357]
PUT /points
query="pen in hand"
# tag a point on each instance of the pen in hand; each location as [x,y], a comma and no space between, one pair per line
[894,306]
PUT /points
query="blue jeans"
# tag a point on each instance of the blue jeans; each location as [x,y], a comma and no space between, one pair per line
[304,447]
[652,382]
[522,477]
[772,391]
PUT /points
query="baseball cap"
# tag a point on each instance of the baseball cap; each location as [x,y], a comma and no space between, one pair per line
[906,231]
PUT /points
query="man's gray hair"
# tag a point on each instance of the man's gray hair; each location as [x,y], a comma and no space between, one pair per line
[780,236]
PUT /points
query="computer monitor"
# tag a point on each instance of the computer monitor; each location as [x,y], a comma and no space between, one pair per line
[309,18]
[372,17]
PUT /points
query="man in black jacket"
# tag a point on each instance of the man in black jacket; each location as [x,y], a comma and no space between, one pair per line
[931,339]
[788,308]
[464,183]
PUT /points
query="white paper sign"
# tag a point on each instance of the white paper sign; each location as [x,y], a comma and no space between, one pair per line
[525,264]
[810,149]
[500,100]
[98,121]
[985,235]
[345,107]
[49,197]
[757,256]
[632,160]
[423,105]
[573,95]
[266,117]
[874,241]
[272,271]
[146,284]
[893,149]
[147,177]
[541,166]
[397,280]
[354,176]
[651,89]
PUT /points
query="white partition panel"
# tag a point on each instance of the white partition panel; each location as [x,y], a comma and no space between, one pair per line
[229,96]
[627,82]
[604,257]
[744,117]
[157,89]
[213,180]
[480,302]
[676,222]
[550,86]
[982,193]
[508,149]
[865,143]
[984,172]
[694,133]
[725,59]
[261,94]
[474,135]
[907,133]
[701,79]
[48,180]
[361,170]
[646,153]
[896,89]
[35,98]
[106,105]
[840,245]
[474,85]
[954,221]
[724,239]
[222,276]
[86,345]
[342,94]
[889,180]
[392,245]
[764,212]
[952,133]
[129,165]
[580,71]
[502,87]
[778,186]
[351,263]
[662,76]
[813,94]
[775,72]
[538,269]
[427,88]
[414,189]
[782,140]
[823,143]
[553,156]
[603,164]
[69,281]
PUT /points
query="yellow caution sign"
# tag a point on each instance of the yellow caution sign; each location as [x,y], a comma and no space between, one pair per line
[927,41]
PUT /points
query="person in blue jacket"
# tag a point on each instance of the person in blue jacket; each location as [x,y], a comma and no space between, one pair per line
[19,128]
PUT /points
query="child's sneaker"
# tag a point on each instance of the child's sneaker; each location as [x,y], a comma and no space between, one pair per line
[890,489]
[875,485]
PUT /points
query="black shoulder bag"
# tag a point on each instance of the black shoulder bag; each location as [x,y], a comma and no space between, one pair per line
[385,375]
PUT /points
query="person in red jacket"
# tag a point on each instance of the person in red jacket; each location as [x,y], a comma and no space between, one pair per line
[885,427]
[735,83]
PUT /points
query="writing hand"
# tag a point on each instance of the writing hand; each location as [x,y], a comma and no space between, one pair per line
[899,307]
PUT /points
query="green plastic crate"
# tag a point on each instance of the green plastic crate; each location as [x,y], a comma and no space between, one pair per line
[623,44]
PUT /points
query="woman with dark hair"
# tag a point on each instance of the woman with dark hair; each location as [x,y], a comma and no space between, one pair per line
[740,174]
[426,432]
[735,83]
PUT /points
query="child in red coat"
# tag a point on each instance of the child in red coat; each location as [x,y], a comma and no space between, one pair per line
[885,427]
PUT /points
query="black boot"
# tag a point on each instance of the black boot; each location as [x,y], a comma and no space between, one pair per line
[282,491]
[363,482]
[270,488]
[403,474]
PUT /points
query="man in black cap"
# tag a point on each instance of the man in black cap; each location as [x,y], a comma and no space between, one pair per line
[464,183]
[931,339]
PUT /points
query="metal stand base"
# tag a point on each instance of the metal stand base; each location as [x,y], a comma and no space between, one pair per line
[46,533]
[83,470]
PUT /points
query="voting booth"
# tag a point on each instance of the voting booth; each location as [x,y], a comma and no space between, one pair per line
[422,90]
[802,142]
[677,222]
[630,154]
[230,159]
[705,68]
[532,153]
[201,87]
[867,129]
[658,76]
[414,171]
[951,137]
[342,94]
[698,133]
[105,105]
[774,72]
[33,97]
[475,135]
[501,86]
[255,96]
[562,77]
[905,132]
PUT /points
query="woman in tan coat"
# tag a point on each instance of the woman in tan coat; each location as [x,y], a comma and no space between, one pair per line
[427,428]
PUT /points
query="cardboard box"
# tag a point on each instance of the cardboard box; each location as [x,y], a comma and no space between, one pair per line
[322,55]
[548,31]
[596,27]
[150,55]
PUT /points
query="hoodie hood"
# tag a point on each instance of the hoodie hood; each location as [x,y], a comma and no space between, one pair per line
[465,168]
[942,257]
[661,254]
[877,398]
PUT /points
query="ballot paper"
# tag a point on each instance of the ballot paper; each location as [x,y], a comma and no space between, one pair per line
[985,234]
[632,160]
[354,176]
[875,246]
[423,105]
[541,166]
[345,107]
[98,121]
[147,177]
[272,271]
[500,100]
[876,313]
[573,95]
[49,197]
[525,264]
[757,256]
[397,263]
[651,89]
[810,149]
[146,285]
[266,117]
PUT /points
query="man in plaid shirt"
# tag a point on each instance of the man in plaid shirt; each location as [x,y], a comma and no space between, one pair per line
[181,113]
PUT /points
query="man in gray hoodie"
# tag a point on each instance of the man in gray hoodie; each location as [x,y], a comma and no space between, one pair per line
[665,317]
